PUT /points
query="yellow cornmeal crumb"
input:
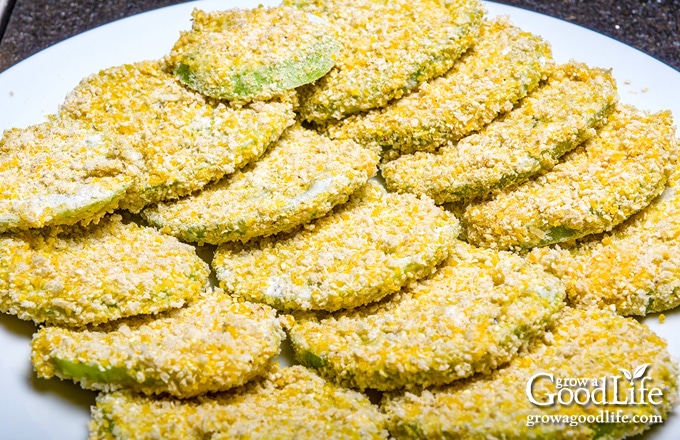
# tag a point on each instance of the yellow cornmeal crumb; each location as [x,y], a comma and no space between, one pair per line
[388,48]
[599,185]
[361,252]
[587,344]
[185,140]
[288,403]
[94,274]
[172,169]
[253,53]
[60,173]
[302,177]
[214,344]
[503,66]
[662,318]
[474,314]
[635,268]
[548,123]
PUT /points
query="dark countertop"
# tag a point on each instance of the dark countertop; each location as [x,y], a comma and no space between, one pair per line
[652,26]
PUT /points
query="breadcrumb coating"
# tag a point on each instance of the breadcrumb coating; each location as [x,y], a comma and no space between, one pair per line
[635,268]
[94,274]
[60,173]
[289,403]
[598,186]
[502,67]
[388,48]
[363,251]
[590,344]
[530,139]
[247,54]
[302,177]
[473,315]
[451,332]
[184,139]
[214,344]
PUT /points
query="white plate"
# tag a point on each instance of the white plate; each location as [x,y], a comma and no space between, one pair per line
[31,408]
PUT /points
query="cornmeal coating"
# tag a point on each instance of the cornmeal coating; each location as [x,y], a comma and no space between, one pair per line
[635,267]
[214,344]
[60,173]
[503,66]
[96,273]
[247,54]
[302,177]
[473,315]
[289,403]
[598,186]
[388,48]
[185,140]
[530,139]
[363,251]
[587,344]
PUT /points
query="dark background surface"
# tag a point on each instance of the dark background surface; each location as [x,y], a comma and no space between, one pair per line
[652,26]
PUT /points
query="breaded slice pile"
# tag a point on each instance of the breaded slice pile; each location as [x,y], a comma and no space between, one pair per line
[530,139]
[214,344]
[288,403]
[361,252]
[474,314]
[302,177]
[96,273]
[584,344]
[185,140]
[597,186]
[504,65]
[635,267]
[262,132]
[388,48]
